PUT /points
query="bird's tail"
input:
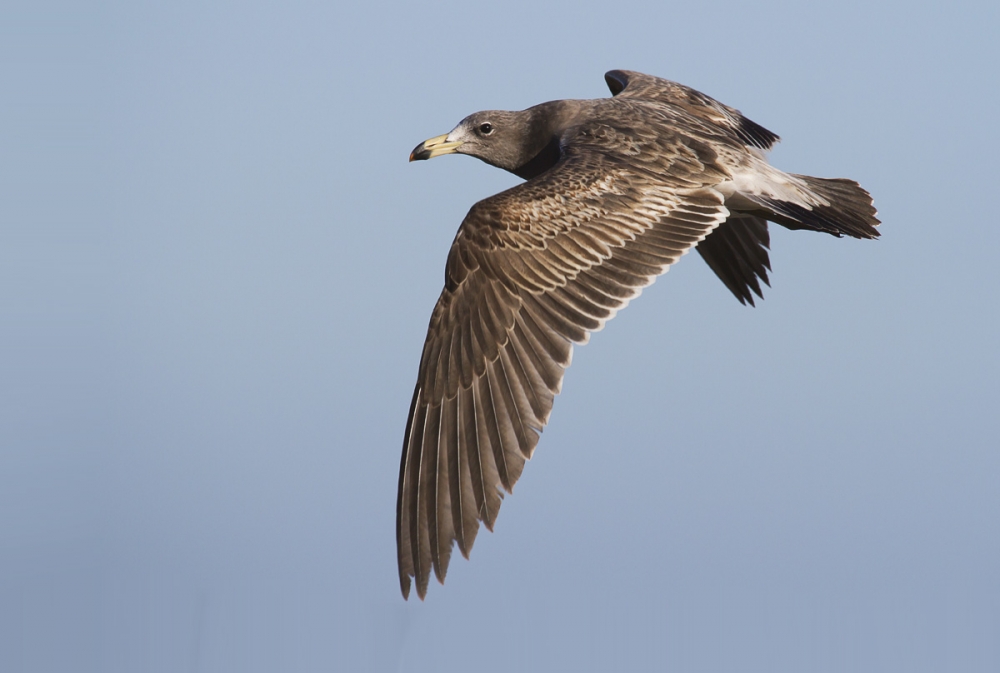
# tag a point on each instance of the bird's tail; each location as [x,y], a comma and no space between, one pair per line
[850,211]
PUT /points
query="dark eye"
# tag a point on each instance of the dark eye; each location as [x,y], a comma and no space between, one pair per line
[486,128]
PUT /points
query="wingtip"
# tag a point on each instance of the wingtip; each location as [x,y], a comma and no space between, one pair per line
[616,80]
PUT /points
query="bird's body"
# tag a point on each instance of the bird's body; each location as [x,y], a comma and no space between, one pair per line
[617,190]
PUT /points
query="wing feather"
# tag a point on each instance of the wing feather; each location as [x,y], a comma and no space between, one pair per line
[533,270]
[484,448]
[737,253]
[696,106]
[443,525]
[533,353]
[536,393]
[464,519]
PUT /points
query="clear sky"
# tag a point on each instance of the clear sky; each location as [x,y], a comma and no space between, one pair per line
[216,271]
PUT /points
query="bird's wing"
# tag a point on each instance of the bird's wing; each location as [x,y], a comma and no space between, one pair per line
[714,116]
[532,271]
[737,252]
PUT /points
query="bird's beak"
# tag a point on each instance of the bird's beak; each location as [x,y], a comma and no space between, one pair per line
[433,148]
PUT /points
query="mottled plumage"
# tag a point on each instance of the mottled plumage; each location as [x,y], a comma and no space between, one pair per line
[617,190]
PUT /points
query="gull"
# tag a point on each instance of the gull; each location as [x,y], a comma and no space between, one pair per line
[616,190]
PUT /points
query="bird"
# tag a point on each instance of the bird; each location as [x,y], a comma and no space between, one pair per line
[615,191]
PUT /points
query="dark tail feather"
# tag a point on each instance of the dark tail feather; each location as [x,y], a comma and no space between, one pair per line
[850,212]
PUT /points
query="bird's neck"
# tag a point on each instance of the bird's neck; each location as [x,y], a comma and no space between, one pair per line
[545,159]
[542,151]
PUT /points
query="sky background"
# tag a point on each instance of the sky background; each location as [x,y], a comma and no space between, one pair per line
[216,271]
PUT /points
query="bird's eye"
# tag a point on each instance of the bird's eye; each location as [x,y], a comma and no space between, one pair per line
[486,128]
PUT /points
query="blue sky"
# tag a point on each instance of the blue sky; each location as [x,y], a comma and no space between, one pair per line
[216,271]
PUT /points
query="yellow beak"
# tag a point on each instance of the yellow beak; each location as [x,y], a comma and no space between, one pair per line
[433,148]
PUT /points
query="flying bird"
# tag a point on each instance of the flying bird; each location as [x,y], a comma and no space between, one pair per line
[616,190]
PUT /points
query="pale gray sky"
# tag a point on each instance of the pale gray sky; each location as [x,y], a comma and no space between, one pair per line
[216,271]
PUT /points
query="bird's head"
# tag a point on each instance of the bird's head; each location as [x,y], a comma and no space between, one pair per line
[502,139]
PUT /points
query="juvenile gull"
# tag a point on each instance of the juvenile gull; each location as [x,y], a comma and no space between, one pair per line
[617,189]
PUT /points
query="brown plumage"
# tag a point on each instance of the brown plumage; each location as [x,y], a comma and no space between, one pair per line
[617,190]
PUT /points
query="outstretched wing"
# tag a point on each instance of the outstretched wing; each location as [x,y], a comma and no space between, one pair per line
[716,117]
[532,271]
